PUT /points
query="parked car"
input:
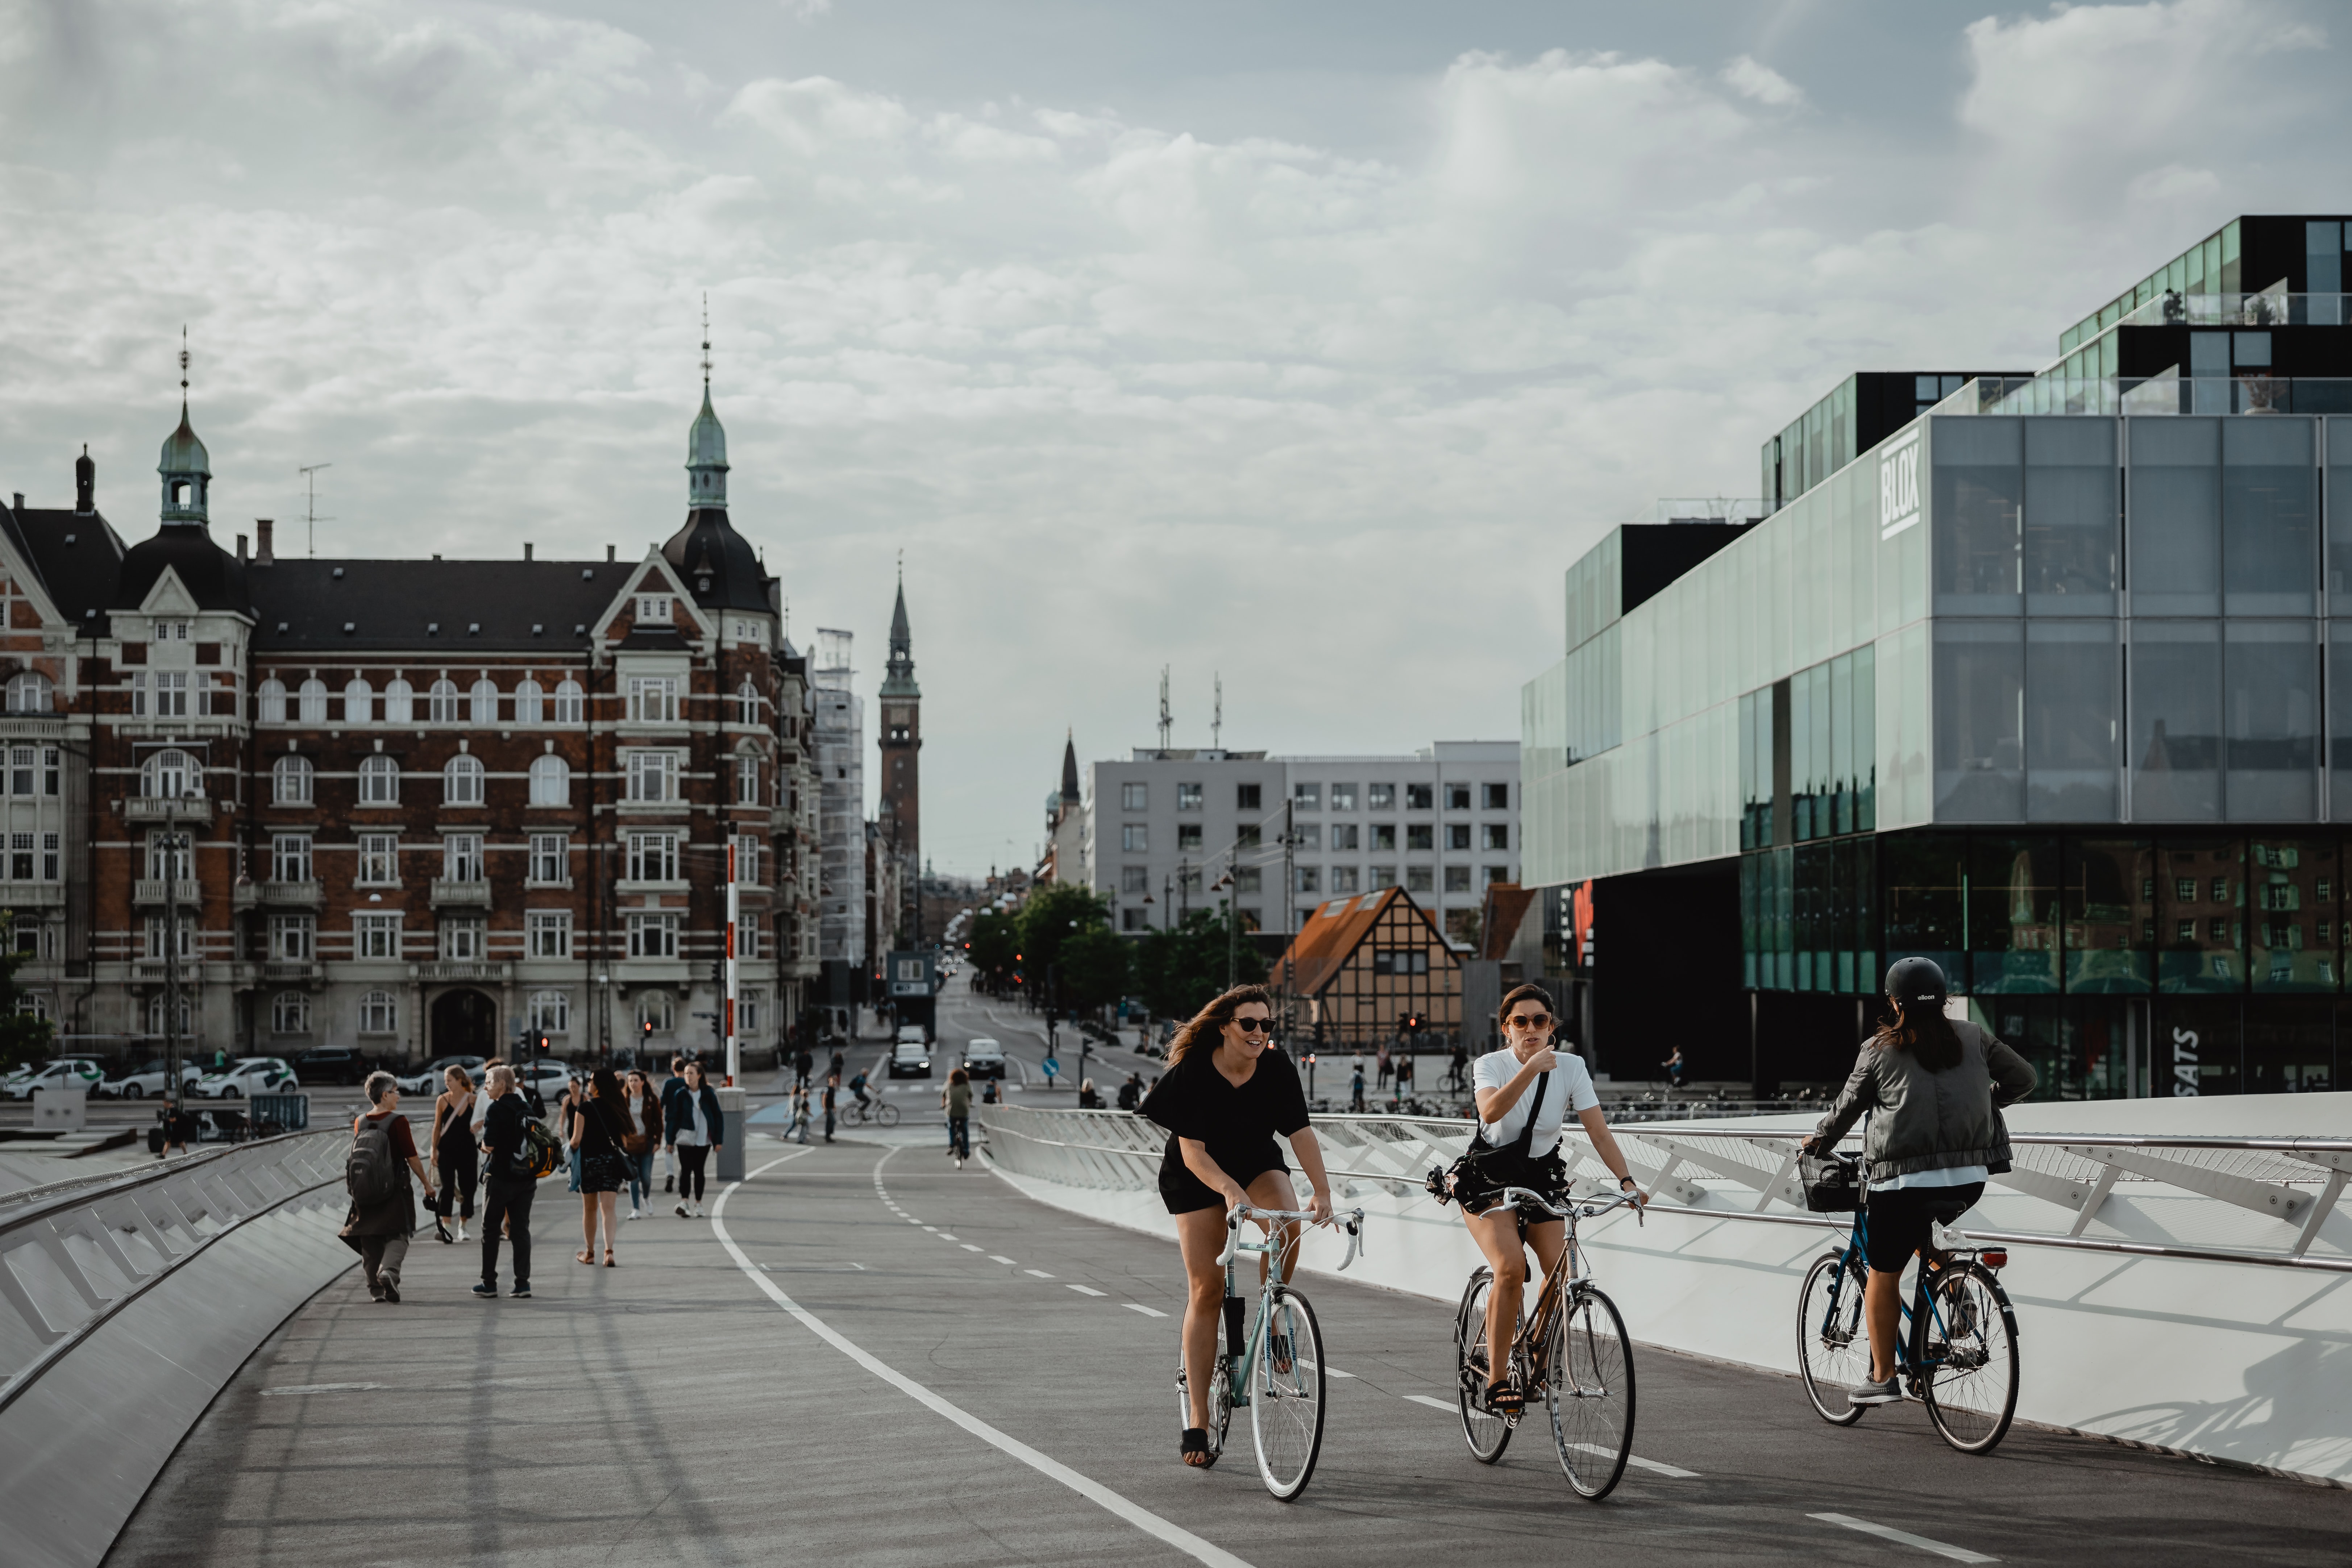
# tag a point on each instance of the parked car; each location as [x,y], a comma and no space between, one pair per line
[249,1075]
[150,1079]
[331,1063]
[64,1072]
[983,1059]
[544,1077]
[911,1058]
[427,1082]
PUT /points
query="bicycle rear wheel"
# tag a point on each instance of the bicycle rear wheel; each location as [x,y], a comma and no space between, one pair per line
[884,1115]
[1591,1394]
[1286,1394]
[1488,1434]
[1832,1350]
[1971,1393]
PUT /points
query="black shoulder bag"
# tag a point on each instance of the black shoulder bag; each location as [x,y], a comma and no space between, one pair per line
[1485,1170]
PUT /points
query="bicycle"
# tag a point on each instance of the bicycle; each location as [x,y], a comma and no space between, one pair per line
[878,1110]
[1572,1353]
[1957,1354]
[1274,1365]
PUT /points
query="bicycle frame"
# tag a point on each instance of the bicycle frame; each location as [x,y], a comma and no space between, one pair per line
[1559,1285]
[1239,1364]
[1919,1314]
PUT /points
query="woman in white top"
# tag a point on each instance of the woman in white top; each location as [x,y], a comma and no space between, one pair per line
[1525,1077]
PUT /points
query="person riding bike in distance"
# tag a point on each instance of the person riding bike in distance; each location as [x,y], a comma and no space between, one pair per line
[1224,1097]
[1933,1084]
[1523,1092]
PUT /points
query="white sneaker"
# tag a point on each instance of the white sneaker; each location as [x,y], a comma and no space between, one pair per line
[697,1211]
[681,1209]
[461,1232]
[635,1214]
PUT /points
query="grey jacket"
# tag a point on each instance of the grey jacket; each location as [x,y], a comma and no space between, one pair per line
[1932,1121]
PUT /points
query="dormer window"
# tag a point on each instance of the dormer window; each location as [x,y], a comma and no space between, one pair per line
[171,631]
[653,609]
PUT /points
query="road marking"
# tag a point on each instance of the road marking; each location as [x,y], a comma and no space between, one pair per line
[1640,1463]
[1445,1404]
[1904,1536]
[1333,1371]
[1038,1272]
[1139,1306]
[967,1245]
[945,1237]
[1094,1492]
[992,1257]
[932,1228]
[322,1388]
[1086,1290]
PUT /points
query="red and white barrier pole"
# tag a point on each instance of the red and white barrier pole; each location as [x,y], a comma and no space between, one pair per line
[727,1003]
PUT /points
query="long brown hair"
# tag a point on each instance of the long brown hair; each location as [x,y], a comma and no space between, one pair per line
[1209,1023]
[1921,1028]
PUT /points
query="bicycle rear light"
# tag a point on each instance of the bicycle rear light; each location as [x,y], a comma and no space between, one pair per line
[1994,1258]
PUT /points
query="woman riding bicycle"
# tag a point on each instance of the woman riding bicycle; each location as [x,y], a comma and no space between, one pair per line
[1933,1083]
[1224,1097]
[1525,1076]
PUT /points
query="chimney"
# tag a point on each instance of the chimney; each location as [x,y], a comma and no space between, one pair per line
[261,556]
[20,503]
[609,548]
[240,549]
[84,483]
[526,550]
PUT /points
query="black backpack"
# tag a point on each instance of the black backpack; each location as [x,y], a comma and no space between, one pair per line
[370,1172]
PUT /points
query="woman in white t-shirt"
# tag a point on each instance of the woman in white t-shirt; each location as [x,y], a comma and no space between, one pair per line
[1526,1082]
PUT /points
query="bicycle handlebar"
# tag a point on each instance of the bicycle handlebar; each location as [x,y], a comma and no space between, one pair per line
[1353,1220]
[1587,1209]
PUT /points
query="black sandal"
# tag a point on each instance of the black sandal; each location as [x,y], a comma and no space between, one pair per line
[1196,1441]
[1504,1398]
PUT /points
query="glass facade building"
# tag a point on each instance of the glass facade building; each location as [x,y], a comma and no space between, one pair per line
[2052,684]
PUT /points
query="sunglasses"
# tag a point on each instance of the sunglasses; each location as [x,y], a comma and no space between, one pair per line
[1528,1020]
[1255,1025]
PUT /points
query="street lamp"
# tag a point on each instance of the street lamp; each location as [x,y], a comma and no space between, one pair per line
[1232,919]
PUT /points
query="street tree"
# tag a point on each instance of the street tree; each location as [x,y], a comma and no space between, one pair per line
[1177,971]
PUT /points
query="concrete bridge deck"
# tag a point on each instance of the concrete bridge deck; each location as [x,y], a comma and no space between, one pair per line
[670,1410]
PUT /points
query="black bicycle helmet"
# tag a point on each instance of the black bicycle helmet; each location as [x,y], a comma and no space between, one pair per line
[1914,980]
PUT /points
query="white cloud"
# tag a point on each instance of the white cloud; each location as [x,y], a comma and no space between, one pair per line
[1751,78]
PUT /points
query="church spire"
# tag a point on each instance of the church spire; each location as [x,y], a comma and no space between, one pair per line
[1070,769]
[899,675]
[185,465]
[705,443]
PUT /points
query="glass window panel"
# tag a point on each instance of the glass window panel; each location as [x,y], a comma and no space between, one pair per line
[2291,914]
[2196,1046]
[1839,933]
[2032,1027]
[1784,925]
[2074,694]
[2339,516]
[1749,943]
[2070,517]
[1841,771]
[2339,722]
[2267,517]
[2176,721]
[1865,737]
[2200,921]
[2271,701]
[2290,1044]
[2011,907]
[2175,522]
[1978,492]
[2110,914]
[1813,910]
[1922,874]
[1819,764]
[1862,917]
[1978,707]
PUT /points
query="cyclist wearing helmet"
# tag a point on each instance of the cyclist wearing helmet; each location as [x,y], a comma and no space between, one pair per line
[1933,1084]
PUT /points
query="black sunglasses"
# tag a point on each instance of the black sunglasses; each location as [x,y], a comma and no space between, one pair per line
[1529,1020]
[1255,1025]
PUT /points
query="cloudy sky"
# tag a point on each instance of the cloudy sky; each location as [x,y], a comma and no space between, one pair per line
[1306,344]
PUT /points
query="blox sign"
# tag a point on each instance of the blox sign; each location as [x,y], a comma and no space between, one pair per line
[1898,483]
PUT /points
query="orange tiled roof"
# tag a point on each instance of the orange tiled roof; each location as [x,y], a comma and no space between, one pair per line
[1506,906]
[1335,931]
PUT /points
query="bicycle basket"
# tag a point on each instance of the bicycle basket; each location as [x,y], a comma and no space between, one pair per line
[1832,1183]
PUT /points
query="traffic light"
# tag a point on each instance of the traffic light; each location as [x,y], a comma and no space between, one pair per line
[647,1025]
[541,1044]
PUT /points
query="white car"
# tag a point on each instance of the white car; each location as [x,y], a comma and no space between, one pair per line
[427,1080]
[66,1072]
[150,1079]
[249,1075]
[548,1078]
[983,1059]
[911,1058]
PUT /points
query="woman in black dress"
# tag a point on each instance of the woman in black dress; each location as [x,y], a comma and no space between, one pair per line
[456,1158]
[598,1124]
[1223,1101]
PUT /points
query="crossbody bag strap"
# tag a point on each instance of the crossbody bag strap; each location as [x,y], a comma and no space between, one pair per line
[1526,1138]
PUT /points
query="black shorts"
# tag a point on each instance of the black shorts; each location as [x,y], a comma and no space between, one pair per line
[1543,1174]
[1898,1220]
[1185,1192]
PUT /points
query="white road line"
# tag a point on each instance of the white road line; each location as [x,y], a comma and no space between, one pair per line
[1640,1463]
[1904,1538]
[932,1228]
[967,1245]
[1333,1371]
[992,1257]
[322,1388]
[1445,1404]
[945,1237]
[1038,1272]
[1139,1306]
[1086,1291]
[1094,1492]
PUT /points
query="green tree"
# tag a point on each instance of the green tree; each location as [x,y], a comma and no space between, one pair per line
[23,1037]
[1049,918]
[1094,969]
[1177,971]
[994,944]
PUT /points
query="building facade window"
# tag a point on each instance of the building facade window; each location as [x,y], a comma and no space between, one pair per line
[653,609]
[1417,796]
[1343,878]
[653,936]
[379,781]
[1134,796]
[652,776]
[378,1013]
[551,781]
[550,932]
[1188,797]
[1135,879]
[171,774]
[550,1012]
[1419,879]
[293,939]
[550,860]
[1307,796]
[290,857]
[155,1015]
[461,858]
[289,1012]
[359,701]
[1457,797]
[484,696]
[1418,835]
[375,936]
[399,703]
[1457,879]
[1380,797]
[747,859]
[1347,836]
[1498,798]
[313,701]
[529,699]
[1248,797]
[653,857]
[464,939]
[441,702]
[169,856]
[379,861]
[653,699]
[270,700]
[1498,836]
[28,692]
[656,1012]
[1457,836]
[570,702]
[1343,798]
[1135,838]
[461,780]
[747,703]
[747,781]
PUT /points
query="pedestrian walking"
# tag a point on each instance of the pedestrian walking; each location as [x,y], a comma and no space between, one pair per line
[988,1094]
[1673,1065]
[1385,1069]
[181,1128]
[1356,1086]
[641,1137]
[803,1064]
[693,1129]
[383,1206]
[1458,1065]
[482,1101]
[455,1152]
[567,1112]
[672,1087]
[1088,1098]
[508,1185]
[832,1094]
[599,1122]
[1131,1093]
[799,1127]
[956,1100]
[1403,1074]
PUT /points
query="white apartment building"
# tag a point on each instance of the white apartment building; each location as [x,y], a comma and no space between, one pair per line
[838,721]
[1157,833]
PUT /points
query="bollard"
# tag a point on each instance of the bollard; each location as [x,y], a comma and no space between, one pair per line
[731,1136]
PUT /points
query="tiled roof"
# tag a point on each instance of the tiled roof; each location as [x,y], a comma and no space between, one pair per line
[1506,906]
[502,605]
[79,577]
[1336,930]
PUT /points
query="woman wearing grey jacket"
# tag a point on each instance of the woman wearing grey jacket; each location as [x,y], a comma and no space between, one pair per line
[1933,1086]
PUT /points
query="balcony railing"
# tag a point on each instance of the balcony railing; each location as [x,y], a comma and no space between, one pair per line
[296,971]
[141,808]
[449,968]
[460,894]
[32,895]
[153,890]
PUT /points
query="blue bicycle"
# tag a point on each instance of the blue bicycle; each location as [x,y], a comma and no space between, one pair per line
[1958,1351]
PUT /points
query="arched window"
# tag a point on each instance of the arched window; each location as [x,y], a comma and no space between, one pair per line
[461,780]
[486,702]
[289,780]
[169,776]
[379,781]
[378,1015]
[747,703]
[28,693]
[550,782]
[155,1015]
[314,701]
[399,707]
[568,705]
[657,1009]
[528,709]
[272,696]
[443,708]
[552,1011]
[289,1012]
[359,703]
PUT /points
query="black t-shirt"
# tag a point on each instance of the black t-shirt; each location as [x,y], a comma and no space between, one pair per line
[1238,1125]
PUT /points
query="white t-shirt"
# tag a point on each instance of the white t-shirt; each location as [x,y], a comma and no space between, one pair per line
[1570,1088]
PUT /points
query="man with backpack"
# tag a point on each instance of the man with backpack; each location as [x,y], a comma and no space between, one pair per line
[517,1152]
[383,1206]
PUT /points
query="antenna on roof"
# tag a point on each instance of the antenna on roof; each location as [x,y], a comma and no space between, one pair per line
[706,343]
[310,517]
[183,367]
[1217,723]
[1166,723]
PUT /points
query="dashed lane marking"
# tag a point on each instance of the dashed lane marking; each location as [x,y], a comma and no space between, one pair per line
[992,1257]
[1139,1306]
[1445,1404]
[1333,1371]
[1904,1538]
[967,1245]
[322,1388]
[1640,1463]
[1086,1290]
[1038,1272]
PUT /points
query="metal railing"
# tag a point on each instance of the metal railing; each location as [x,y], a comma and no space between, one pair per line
[74,1254]
[2147,1196]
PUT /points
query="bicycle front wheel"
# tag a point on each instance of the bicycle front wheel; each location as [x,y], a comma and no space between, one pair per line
[1488,1434]
[1286,1394]
[1591,1394]
[1972,1354]
[1832,1350]
[884,1115]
